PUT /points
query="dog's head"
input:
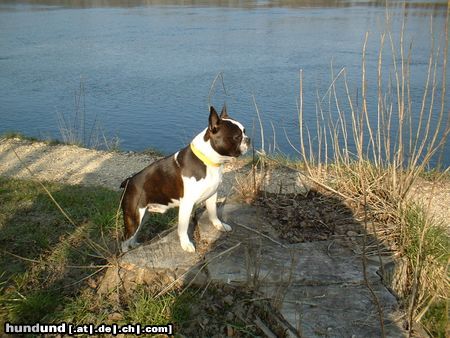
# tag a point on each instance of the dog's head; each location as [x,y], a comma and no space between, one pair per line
[227,135]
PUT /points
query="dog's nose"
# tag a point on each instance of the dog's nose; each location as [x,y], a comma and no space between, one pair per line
[247,141]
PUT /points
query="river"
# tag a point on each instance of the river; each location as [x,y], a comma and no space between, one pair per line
[145,68]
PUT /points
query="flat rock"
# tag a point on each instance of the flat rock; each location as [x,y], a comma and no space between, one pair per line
[318,287]
[338,310]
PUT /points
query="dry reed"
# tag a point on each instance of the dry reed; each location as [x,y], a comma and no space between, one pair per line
[391,149]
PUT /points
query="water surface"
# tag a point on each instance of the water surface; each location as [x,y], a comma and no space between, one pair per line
[146,67]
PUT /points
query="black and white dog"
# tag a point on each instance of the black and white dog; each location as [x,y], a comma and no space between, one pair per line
[190,176]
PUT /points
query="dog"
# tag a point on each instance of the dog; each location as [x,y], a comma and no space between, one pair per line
[190,176]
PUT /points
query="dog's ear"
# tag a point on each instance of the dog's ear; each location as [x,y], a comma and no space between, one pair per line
[214,120]
[224,114]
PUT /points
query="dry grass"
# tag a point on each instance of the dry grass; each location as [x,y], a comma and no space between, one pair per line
[76,128]
[249,184]
[386,164]
[370,155]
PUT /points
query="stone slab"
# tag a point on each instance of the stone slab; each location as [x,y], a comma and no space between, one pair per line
[319,287]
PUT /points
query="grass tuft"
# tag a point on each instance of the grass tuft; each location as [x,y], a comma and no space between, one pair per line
[76,128]
[145,308]
[33,308]
[16,135]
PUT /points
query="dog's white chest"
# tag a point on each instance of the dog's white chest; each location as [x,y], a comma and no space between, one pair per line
[198,191]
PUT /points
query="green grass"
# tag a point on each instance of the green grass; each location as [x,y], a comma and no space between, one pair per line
[14,134]
[425,235]
[153,152]
[435,174]
[144,308]
[33,308]
[435,320]
[426,246]
[41,252]
[46,263]
[50,269]
[160,222]
[31,226]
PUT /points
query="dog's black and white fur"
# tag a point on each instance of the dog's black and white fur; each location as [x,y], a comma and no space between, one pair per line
[190,176]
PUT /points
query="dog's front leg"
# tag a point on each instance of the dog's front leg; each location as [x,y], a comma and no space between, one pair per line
[211,206]
[184,215]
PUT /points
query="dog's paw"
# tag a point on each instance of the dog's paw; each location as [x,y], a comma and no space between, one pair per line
[222,227]
[187,245]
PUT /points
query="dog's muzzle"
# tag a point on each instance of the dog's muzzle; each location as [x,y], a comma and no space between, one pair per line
[245,144]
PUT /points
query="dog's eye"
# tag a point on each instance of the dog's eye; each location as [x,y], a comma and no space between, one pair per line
[243,131]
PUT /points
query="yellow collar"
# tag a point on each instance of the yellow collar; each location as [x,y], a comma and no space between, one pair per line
[203,157]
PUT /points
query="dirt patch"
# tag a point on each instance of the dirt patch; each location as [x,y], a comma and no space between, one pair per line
[68,164]
[229,311]
[310,217]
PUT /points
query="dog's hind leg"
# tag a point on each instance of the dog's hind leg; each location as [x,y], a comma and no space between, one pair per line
[133,223]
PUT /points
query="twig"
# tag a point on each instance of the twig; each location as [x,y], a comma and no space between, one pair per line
[261,234]
[220,74]
[168,287]
[45,189]
[260,125]
[364,263]
[206,288]
[324,186]
[329,248]
[22,258]
[263,327]
[67,266]
[118,214]
[87,277]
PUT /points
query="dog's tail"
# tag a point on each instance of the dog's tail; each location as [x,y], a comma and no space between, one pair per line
[124,184]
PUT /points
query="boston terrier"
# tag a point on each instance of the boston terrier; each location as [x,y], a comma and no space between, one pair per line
[183,179]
